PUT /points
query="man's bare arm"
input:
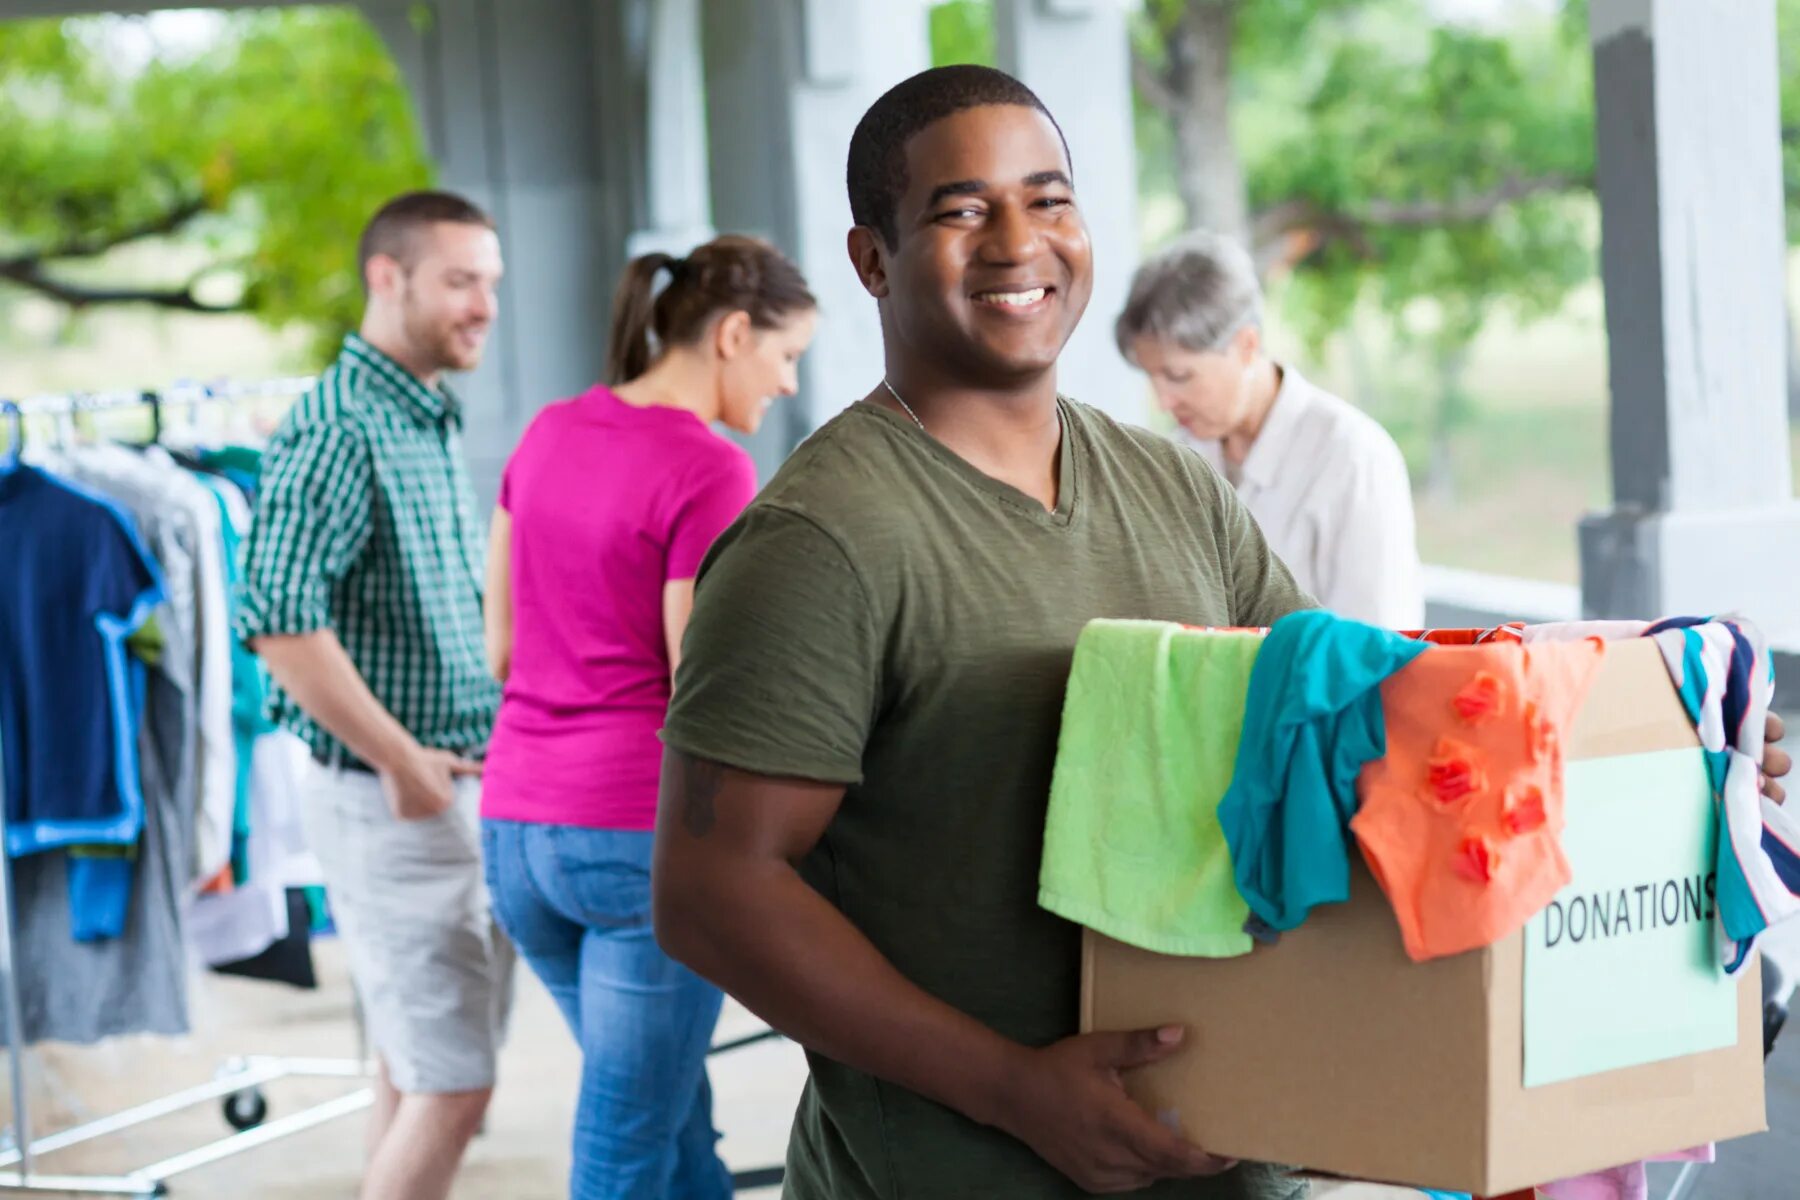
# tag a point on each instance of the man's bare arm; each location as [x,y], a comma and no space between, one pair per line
[730,904]
[316,670]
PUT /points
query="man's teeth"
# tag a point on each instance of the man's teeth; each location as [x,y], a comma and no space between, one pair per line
[1013,299]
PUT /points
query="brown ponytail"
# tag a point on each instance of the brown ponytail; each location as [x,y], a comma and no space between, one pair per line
[629,353]
[727,274]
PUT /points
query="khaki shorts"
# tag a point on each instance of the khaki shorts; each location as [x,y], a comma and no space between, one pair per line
[432,968]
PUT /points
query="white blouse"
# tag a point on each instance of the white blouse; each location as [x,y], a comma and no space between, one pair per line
[1329,488]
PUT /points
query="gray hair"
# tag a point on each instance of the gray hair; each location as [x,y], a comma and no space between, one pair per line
[1196,292]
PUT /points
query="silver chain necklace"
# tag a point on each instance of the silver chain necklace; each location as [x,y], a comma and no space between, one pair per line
[907,408]
[904,405]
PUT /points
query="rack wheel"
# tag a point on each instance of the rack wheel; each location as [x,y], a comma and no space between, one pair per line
[246,1109]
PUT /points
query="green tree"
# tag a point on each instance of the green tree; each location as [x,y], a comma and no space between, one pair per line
[1364,147]
[962,31]
[261,154]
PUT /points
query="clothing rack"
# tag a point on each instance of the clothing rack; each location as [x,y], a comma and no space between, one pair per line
[184,393]
[239,1083]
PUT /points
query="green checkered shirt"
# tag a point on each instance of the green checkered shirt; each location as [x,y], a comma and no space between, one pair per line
[365,525]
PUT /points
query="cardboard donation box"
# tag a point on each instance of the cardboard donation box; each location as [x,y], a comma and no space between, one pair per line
[1603,1033]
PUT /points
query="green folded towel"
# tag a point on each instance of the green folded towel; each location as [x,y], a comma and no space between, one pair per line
[1132,844]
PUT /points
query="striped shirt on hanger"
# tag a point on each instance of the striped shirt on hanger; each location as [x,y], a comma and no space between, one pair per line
[365,525]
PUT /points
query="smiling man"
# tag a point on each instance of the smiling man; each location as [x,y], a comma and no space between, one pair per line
[362,594]
[865,720]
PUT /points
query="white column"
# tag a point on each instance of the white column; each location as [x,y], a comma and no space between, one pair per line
[1075,54]
[787,81]
[1693,255]
[680,207]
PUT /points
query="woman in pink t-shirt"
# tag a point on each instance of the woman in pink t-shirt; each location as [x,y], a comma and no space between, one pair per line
[606,509]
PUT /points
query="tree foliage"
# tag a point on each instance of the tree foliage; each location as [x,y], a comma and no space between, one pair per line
[1389,155]
[1379,153]
[261,153]
[1458,169]
[962,31]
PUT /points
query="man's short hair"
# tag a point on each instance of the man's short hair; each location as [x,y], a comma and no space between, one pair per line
[877,168]
[394,230]
[1196,293]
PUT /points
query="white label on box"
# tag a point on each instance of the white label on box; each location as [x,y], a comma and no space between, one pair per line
[1622,969]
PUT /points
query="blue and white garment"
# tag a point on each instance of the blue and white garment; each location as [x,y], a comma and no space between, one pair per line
[1726,679]
[77,582]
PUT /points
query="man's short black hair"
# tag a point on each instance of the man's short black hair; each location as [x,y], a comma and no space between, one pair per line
[877,168]
[392,231]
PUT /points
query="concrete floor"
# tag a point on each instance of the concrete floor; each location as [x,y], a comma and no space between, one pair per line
[523,1154]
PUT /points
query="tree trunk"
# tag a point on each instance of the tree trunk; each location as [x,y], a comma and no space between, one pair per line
[1210,175]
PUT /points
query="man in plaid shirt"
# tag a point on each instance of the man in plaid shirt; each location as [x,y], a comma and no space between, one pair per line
[362,594]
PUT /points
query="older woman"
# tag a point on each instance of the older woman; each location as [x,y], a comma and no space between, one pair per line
[1324,481]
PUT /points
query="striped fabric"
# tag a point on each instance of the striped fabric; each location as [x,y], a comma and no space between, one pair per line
[1726,678]
[1511,632]
[365,525]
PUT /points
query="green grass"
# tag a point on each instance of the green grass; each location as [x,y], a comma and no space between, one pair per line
[1523,479]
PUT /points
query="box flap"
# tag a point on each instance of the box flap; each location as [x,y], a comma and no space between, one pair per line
[1632,707]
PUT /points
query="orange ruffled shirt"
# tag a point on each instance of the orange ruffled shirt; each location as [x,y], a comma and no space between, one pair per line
[1461,822]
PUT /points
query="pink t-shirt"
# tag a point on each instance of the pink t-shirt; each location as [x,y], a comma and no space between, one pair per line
[608,503]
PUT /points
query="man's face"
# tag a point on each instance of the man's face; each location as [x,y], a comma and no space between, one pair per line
[447,298]
[993,267]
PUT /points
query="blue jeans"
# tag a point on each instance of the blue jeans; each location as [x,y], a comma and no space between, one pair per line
[576,903]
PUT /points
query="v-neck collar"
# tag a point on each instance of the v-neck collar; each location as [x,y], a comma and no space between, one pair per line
[1068,468]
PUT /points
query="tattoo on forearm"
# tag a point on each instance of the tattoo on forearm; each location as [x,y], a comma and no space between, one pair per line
[697,786]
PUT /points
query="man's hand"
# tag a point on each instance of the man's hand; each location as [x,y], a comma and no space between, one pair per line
[1776,762]
[1068,1104]
[423,782]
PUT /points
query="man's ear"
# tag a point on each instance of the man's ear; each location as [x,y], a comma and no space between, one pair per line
[384,275]
[868,254]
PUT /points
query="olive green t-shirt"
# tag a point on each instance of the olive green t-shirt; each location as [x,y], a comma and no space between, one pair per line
[887,617]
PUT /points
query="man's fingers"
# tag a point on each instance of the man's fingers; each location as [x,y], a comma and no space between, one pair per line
[464,766]
[1776,762]
[1123,1051]
[1169,1154]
